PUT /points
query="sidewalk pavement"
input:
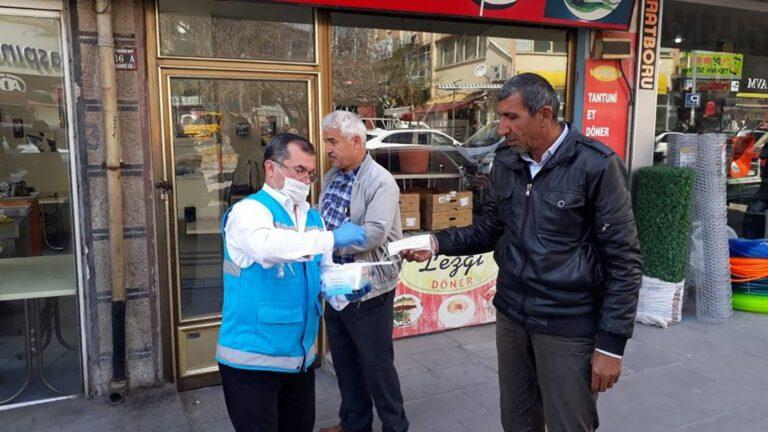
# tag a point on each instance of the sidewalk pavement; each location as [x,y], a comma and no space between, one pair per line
[690,377]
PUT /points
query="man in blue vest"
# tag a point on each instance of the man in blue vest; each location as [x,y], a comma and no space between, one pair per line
[275,246]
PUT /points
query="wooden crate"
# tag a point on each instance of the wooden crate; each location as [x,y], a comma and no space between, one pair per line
[446,219]
[411,221]
[409,203]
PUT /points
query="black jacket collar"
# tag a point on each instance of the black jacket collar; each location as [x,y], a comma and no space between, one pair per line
[564,152]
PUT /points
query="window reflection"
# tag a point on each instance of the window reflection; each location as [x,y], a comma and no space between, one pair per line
[40,355]
[241,30]
[220,129]
[712,73]
[426,91]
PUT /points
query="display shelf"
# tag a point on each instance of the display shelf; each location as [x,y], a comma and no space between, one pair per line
[744,180]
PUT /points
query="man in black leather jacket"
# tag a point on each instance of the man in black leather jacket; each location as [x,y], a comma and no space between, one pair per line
[560,223]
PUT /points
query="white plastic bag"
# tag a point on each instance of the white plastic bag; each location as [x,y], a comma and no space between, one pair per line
[660,303]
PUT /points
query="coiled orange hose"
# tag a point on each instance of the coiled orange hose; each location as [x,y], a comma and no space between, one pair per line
[748,269]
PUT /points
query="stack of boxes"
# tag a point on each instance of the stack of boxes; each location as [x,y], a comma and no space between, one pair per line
[409,211]
[446,210]
[430,210]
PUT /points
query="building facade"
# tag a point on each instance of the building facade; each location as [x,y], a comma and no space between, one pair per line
[201,88]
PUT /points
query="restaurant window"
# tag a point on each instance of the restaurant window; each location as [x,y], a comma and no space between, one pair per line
[39,319]
[436,132]
[242,30]
[714,80]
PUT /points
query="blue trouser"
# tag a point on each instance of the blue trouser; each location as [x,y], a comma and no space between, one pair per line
[360,338]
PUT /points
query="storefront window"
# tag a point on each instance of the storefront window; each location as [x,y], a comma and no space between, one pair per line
[220,129]
[39,343]
[241,30]
[713,67]
[431,122]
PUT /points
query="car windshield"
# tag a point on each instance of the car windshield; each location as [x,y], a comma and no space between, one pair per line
[485,136]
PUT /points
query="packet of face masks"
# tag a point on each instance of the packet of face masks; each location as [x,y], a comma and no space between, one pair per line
[348,278]
[416,243]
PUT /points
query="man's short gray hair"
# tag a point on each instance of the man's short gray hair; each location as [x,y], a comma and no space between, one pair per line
[348,123]
[535,91]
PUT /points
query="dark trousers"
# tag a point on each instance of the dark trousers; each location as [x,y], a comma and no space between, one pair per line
[360,338]
[259,401]
[544,379]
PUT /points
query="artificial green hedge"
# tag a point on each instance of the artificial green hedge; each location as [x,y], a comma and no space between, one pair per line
[663,204]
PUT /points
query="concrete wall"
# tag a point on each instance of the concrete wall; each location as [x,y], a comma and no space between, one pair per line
[142,321]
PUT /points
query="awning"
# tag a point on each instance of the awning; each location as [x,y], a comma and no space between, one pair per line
[448,103]
[556,78]
[468,86]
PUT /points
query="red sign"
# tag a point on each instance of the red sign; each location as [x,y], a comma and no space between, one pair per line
[606,104]
[445,293]
[602,14]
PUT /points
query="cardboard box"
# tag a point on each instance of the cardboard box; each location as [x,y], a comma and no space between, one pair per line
[444,201]
[446,219]
[409,203]
[410,221]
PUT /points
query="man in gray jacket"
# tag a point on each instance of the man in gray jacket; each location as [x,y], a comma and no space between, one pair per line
[360,335]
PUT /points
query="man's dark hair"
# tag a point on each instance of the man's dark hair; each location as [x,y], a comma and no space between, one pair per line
[277,148]
[535,91]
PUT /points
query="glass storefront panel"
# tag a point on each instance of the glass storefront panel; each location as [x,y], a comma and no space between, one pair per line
[39,321]
[220,129]
[712,78]
[426,91]
[239,30]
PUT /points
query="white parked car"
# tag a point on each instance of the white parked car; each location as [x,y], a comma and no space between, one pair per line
[449,154]
[390,138]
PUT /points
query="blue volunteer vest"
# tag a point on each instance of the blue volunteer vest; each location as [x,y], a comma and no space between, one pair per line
[271,315]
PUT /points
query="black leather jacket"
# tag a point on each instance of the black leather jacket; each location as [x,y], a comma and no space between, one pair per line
[565,242]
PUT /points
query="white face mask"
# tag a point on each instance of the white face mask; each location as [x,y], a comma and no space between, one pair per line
[295,190]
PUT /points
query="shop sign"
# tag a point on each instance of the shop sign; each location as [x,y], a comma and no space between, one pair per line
[707,64]
[606,104]
[12,83]
[125,58]
[596,14]
[445,292]
[649,36]
[29,60]
[754,83]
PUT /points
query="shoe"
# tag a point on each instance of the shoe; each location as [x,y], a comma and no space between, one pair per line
[336,428]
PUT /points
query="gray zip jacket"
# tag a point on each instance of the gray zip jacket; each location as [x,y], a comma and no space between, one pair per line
[374,205]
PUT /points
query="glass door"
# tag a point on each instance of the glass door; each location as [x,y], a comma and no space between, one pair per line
[217,125]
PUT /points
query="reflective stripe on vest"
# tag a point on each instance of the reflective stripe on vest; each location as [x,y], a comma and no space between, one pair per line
[245,358]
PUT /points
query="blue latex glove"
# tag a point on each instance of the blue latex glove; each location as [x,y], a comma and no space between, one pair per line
[348,234]
[359,294]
